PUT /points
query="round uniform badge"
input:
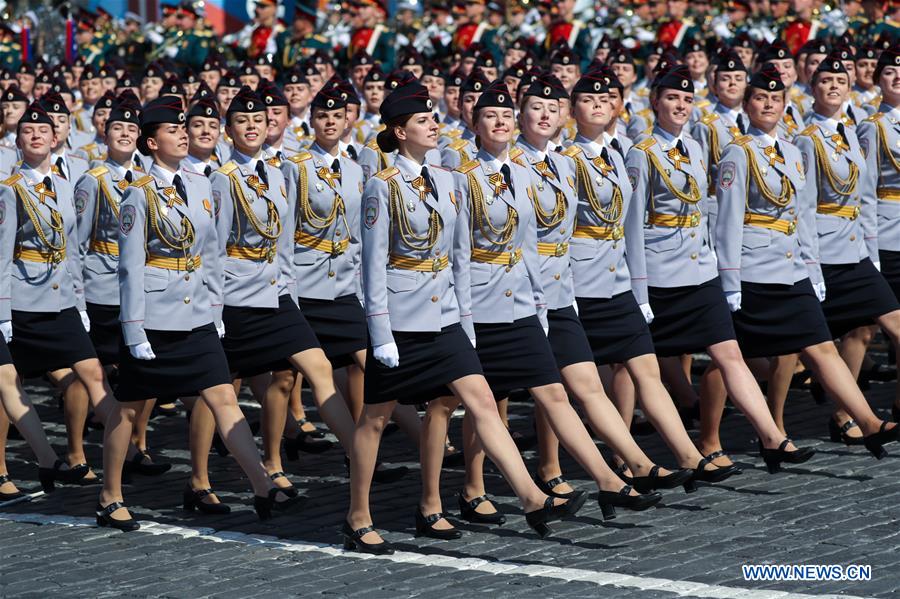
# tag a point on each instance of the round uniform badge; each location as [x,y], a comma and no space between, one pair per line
[127,219]
[726,174]
[2,211]
[632,175]
[371,212]
[81,198]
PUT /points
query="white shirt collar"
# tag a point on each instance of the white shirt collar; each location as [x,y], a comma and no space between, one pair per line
[608,138]
[596,149]
[769,140]
[730,113]
[829,123]
[241,157]
[895,113]
[495,163]
[199,164]
[117,169]
[168,176]
[670,141]
[408,164]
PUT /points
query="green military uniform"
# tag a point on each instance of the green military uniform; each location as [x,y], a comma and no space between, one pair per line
[193,47]
[292,50]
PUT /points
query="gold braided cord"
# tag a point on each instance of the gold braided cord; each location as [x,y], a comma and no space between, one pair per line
[715,153]
[842,187]
[610,214]
[308,215]
[883,142]
[271,230]
[550,218]
[787,188]
[692,197]
[181,241]
[55,223]
[114,206]
[408,236]
[480,217]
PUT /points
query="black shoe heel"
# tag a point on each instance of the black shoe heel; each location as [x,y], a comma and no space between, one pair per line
[49,476]
[264,506]
[609,500]
[467,511]
[425,527]
[353,541]
[838,434]
[547,486]
[875,442]
[4,478]
[716,475]
[774,457]
[539,519]
[105,519]
[192,499]
[608,511]
[136,465]
[289,491]
[646,484]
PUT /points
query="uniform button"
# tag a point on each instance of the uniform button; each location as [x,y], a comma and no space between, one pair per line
[187,300]
[434,276]
[331,273]
[693,256]
[338,232]
[562,231]
[615,244]
[612,269]
[791,211]
[434,298]
[853,238]
[556,276]
[508,293]
[187,277]
[693,234]
[789,255]
[55,286]
[509,247]
[272,281]
[508,268]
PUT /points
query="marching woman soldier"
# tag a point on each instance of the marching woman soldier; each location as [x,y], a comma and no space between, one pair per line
[608,272]
[415,280]
[852,291]
[264,329]
[778,54]
[458,145]
[766,252]
[879,137]
[688,308]
[171,292]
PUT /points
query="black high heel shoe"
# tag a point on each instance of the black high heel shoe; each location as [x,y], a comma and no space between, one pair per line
[264,506]
[425,527]
[645,484]
[84,481]
[353,541]
[547,486]
[136,465]
[4,478]
[609,500]
[382,473]
[105,519]
[874,442]
[467,511]
[307,443]
[193,500]
[49,476]
[716,474]
[838,434]
[289,491]
[774,457]
[539,519]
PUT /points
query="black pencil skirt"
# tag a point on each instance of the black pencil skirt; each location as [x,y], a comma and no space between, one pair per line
[186,363]
[615,328]
[106,332]
[259,340]
[340,326]
[47,341]
[428,362]
[776,320]
[855,295]
[689,319]
[568,340]
[515,355]
[890,269]
[5,356]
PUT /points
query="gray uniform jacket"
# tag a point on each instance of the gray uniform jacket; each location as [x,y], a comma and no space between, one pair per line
[35,276]
[398,298]
[607,257]
[879,138]
[98,195]
[459,150]
[846,219]
[791,123]
[91,151]
[553,197]
[325,254]
[8,159]
[372,160]
[182,295]
[675,233]
[74,166]
[254,232]
[759,240]
[509,288]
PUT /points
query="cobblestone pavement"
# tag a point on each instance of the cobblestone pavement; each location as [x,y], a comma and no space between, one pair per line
[842,508]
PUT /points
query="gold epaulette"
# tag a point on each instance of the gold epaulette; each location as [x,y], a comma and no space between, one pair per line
[454,133]
[572,151]
[387,173]
[227,168]
[301,156]
[702,104]
[742,140]
[709,118]
[643,92]
[142,181]
[875,117]
[465,168]
[373,144]
[98,171]
[88,147]
[12,180]
[457,145]
[646,113]
[515,154]
[646,144]
[810,129]
[274,161]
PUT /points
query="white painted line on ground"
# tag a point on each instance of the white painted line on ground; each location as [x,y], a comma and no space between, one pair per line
[22,499]
[500,568]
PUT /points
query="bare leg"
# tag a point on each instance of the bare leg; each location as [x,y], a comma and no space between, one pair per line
[473,453]
[548,450]
[139,435]
[117,426]
[781,370]
[7,487]
[23,415]
[275,411]
[363,451]
[712,397]
[75,411]
[853,350]
[313,364]
[296,405]
[431,456]
[624,393]
[679,382]
[356,385]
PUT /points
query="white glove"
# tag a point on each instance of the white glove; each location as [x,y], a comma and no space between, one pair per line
[387,354]
[6,329]
[472,341]
[647,312]
[734,300]
[85,321]
[877,266]
[820,291]
[220,329]
[142,351]
[575,307]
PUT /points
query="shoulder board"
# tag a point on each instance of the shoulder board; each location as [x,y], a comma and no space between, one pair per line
[299,157]
[12,180]
[373,144]
[465,168]
[89,147]
[457,145]
[875,117]
[703,104]
[646,112]
[227,168]
[644,91]
[98,171]
[810,130]
[387,173]
[742,140]
[515,154]
[572,151]
[453,133]
[646,144]
[142,181]
[709,118]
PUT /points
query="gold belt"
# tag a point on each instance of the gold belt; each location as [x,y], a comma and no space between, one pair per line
[679,221]
[553,249]
[885,193]
[47,256]
[245,253]
[110,248]
[323,245]
[488,257]
[188,264]
[613,232]
[848,211]
[788,227]
[419,264]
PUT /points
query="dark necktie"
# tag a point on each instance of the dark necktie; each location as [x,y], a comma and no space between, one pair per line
[48,183]
[128,176]
[137,161]
[682,149]
[428,183]
[558,149]
[279,155]
[507,178]
[740,124]
[549,164]
[336,166]
[207,171]
[351,152]
[616,145]
[790,111]
[179,187]
[261,172]
[843,134]
[628,108]
[605,156]
[850,116]
[61,166]
[778,149]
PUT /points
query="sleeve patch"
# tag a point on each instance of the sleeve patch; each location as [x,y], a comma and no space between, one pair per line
[81,198]
[2,211]
[127,219]
[217,201]
[726,174]
[632,175]
[371,212]
[864,145]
